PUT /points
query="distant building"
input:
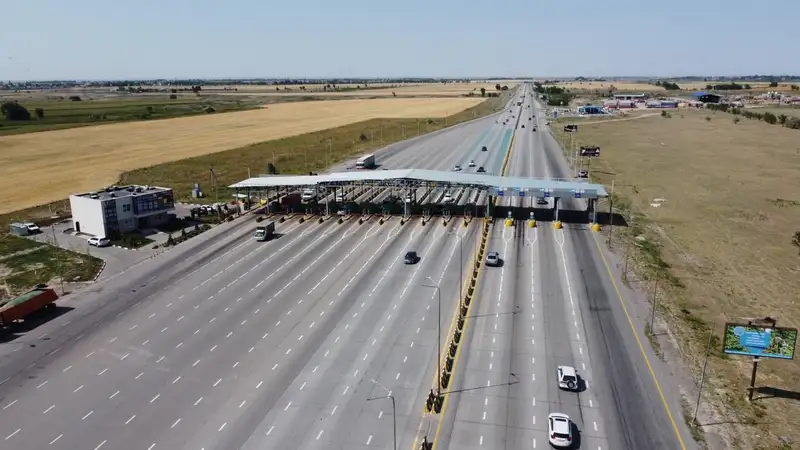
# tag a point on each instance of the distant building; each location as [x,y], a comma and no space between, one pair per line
[619,104]
[122,209]
[705,97]
[662,104]
[630,97]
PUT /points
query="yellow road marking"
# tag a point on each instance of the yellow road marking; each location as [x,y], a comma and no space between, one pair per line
[641,347]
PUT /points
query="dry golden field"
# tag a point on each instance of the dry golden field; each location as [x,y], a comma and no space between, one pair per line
[627,86]
[725,231]
[42,167]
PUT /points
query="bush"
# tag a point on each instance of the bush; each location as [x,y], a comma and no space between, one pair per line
[173,97]
[796,239]
[770,118]
[708,118]
[39,113]
[793,123]
[782,119]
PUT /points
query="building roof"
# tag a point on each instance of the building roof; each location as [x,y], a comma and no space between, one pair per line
[703,94]
[122,191]
[534,186]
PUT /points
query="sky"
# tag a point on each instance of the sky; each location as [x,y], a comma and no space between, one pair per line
[145,39]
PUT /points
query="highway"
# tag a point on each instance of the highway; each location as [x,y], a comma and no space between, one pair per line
[226,343]
[229,343]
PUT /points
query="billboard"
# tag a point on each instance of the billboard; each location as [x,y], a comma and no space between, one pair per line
[759,340]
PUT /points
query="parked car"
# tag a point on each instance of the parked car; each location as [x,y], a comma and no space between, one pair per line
[456,168]
[99,241]
[483,149]
[471,163]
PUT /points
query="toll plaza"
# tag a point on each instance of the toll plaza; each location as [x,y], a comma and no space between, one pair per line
[409,192]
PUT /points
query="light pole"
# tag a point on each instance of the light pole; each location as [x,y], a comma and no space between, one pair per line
[461,270]
[394,410]
[438,337]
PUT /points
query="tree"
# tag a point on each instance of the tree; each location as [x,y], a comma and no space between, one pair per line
[770,118]
[505,88]
[14,111]
[796,239]
[497,86]
[39,113]
[483,92]
[773,84]
[173,97]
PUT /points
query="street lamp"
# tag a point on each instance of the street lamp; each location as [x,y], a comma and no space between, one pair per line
[461,270]
[438,337]
[394,409]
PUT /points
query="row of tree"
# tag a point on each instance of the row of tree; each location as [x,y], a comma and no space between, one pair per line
[768,117]
[668,85]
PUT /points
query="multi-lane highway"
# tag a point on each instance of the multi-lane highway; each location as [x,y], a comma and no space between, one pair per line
[227,343]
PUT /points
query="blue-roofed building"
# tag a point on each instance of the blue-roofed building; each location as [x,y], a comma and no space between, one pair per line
[706,97]
[591,109]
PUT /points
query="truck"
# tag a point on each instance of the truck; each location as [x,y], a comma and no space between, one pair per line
[264,232]
[16,309]
[366,162]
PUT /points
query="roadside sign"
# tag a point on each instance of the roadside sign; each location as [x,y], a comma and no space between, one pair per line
[546,192]
[499,192]
[522,193]
[579,193]
[759,341]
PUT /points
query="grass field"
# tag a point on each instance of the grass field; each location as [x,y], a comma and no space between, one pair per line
[47,166]
[25,263]
[407,90]
[61,114]
[787,110]
[723,240]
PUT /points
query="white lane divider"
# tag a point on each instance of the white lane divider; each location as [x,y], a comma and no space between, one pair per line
[375,253]
[368,235]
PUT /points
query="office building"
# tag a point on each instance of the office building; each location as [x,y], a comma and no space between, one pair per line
[121,209]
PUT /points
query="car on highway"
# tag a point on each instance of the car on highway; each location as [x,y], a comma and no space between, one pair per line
[484,149]
[456,168]
[481,169]
[411,257]
[542,201]
[523,125]
[339,198]
[448,198]
[99,241]
[583,173]
[559,430]
[493,259]
[533,129]
[391,199]
[567,377]
[472,162]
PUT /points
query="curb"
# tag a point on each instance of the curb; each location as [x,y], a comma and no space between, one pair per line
[99,272]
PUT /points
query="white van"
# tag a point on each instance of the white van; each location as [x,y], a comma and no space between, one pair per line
[308,195]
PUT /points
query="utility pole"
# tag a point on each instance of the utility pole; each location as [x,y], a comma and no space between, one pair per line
[58,258]
[394,410]
[703,374]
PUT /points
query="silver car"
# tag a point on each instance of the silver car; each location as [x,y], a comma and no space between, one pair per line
[493,259]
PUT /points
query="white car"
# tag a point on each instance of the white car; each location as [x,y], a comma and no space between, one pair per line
[448,198]
[559,430]
[472,163]
[567,377]
[99,241]
[456,168]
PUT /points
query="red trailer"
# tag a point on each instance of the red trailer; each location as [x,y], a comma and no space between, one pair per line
[18,308]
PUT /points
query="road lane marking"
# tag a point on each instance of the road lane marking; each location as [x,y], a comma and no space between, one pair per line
[160,359]
[45,382]
[56,439]
[87,415]
[151,446]
[155,398]
[48,409]
[217,382]
[287,406]
[176,423]
[114,395]
[304,385]
[139,376]
[369,439]
[101,444]
[270,430]
[197,402]
[319,435]
[274,367]
[130,420]
[259,384]
[14,433]
[10,405]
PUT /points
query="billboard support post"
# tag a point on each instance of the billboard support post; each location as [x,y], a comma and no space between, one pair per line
[703,374]
[752,387]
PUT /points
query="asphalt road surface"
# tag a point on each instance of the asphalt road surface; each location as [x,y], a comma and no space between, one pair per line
[226,343]
[551,303]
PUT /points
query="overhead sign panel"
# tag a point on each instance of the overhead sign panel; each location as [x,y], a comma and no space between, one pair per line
[759,340]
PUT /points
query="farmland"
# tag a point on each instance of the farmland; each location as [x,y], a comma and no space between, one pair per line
[721,238]
[48,166]
[642,87]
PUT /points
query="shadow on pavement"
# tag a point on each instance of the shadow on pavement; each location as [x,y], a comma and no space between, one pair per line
[31,322]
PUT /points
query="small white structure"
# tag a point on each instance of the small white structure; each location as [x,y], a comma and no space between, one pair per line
[121,209]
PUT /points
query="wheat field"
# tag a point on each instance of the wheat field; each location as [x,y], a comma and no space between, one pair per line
[406,90]
[37,168]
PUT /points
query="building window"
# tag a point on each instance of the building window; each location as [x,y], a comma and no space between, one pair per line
[126,207]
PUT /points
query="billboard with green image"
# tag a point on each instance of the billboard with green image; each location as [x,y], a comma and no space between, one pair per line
[760,341]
